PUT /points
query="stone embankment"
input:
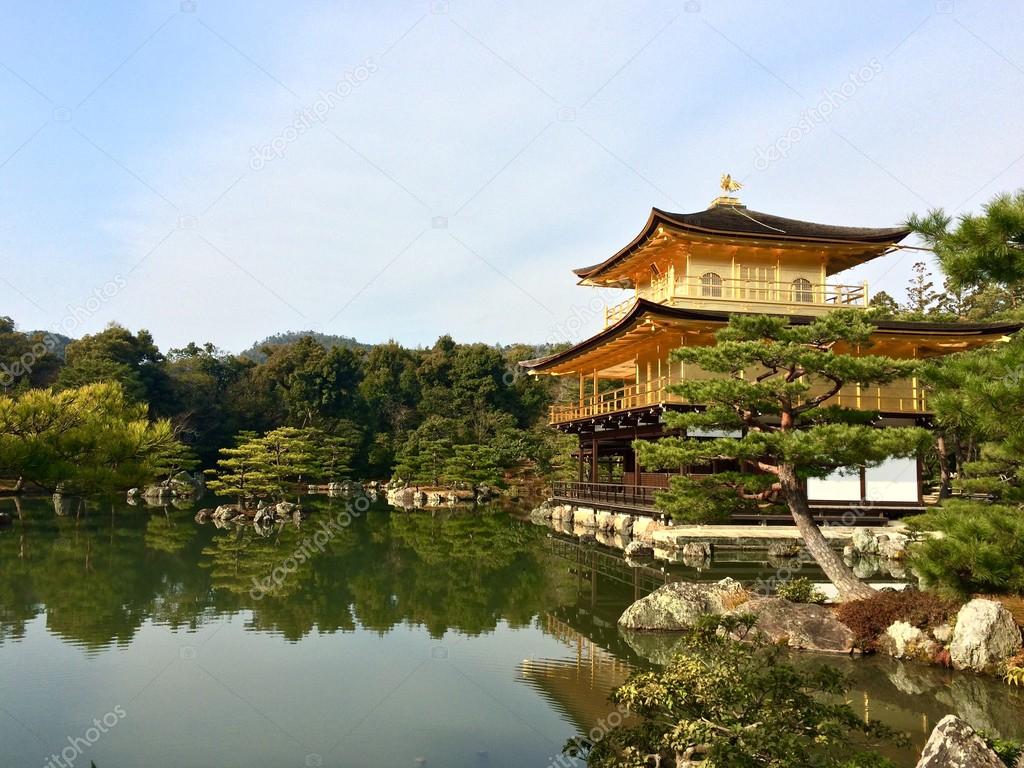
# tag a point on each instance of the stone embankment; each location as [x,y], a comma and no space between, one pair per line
[869,551]
[416,497]
[981,638]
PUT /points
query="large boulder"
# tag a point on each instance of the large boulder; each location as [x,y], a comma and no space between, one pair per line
[984,635]
[605,520]
[264,516]
[954,744]
[798,625]
[623,524]
[224,512]
[864,541]
[680,604]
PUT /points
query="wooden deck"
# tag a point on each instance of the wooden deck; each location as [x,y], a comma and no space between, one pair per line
[632,499]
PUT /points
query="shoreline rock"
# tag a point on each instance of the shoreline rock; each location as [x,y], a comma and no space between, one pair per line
[955,744]
[984,635]
[804,626]
[679,605]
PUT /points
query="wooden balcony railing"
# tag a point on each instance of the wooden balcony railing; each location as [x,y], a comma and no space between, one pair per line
[754,295]
[626,398]
[614,494]
[903,397]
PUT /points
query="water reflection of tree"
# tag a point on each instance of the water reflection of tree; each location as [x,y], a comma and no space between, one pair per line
[100,576]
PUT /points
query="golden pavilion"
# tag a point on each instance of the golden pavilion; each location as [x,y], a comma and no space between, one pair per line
[686,273]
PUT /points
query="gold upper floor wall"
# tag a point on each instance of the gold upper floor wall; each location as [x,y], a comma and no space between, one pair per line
[682,272]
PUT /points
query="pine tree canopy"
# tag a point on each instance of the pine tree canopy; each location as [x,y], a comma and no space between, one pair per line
[774,381]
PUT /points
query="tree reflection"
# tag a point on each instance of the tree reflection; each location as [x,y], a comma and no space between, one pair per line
[100,575]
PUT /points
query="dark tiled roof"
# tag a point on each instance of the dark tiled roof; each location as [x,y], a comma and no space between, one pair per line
[739,221]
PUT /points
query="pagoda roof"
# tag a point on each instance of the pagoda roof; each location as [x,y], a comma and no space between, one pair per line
[643,308]
[733,220]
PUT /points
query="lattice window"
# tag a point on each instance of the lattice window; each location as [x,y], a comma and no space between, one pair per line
[711,285]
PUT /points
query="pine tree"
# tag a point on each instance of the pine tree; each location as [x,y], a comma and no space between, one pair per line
[332,455]
[473,465]
[774,383]
[981,249]
[242,471]
[288,455]
[884,305]
[921,294]
[978,400]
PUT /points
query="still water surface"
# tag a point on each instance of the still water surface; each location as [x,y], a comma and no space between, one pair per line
[413,639]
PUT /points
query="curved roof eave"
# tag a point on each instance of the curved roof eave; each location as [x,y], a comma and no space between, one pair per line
[643,307]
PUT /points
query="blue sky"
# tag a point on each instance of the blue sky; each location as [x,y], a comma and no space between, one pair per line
[471,154]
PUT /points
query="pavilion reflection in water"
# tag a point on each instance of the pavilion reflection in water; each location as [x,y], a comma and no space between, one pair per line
[909,697]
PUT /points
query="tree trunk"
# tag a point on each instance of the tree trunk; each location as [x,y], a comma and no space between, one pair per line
[945,477]
[830,561]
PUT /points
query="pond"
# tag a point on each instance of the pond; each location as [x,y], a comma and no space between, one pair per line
[135,636]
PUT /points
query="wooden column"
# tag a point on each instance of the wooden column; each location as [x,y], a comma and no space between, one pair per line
[593,459]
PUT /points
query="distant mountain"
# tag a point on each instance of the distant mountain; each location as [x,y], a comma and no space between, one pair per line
[328,340]
[59,340]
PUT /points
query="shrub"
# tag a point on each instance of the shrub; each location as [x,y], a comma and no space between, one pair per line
[1013,670]
[981,550]
[1008,750]
[736,704]
[800,590]
[870,617]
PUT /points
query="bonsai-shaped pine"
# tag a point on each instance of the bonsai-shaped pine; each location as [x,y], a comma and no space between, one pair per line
[732,703]
[278,462]
[773,385]
[289,457]
[242,471]
[423,461]
[473,465]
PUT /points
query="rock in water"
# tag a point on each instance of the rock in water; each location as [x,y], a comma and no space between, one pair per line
[585,518]
[678,606]
[954,744]
[984,635]
[637,548]
[864,541]
[798,625]
[905,641]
